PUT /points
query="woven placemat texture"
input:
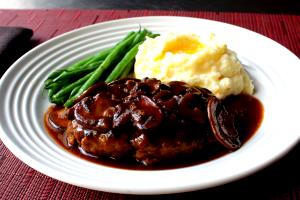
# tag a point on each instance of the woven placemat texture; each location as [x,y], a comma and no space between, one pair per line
[278,181]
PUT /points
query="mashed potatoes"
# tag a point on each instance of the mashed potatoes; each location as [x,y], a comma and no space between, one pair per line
[198,61]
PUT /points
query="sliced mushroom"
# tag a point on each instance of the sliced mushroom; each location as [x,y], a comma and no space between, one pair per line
[165,100]
[57,119]
[178,87]
[190,106]
[146,114]
[90,109]
[123,81]
[122,87]
[222,124]
[94,89]
[121,116]
[153,85]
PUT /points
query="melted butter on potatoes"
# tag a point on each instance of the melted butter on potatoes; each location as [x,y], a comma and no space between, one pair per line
[199,61]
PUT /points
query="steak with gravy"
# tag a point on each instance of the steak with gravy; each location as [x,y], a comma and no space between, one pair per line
[148,121]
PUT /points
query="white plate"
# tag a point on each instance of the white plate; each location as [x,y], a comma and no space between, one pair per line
[275,71]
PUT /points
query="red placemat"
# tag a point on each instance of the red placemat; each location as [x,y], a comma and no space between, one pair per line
[279,181]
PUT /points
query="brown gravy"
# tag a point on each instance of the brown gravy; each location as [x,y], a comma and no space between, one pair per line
[248,108]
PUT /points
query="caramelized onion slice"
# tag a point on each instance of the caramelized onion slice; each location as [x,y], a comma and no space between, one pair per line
[222,124]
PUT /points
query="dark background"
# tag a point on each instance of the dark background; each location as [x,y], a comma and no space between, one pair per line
[266,6]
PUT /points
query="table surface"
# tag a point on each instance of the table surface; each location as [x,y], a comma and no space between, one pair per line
[264,6]
[281,180]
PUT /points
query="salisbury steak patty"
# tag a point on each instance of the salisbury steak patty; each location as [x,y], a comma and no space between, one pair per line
[148,120]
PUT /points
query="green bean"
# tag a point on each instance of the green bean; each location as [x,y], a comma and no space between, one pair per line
[127,69]
[68,89]
[99,56]
[119,48]
[55,74]
[58,84]
[74,91]
[47,83]
[51,92]
[81,64]
[140,34]
[152,35]
[67,74]
[66,85]
[119,69]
